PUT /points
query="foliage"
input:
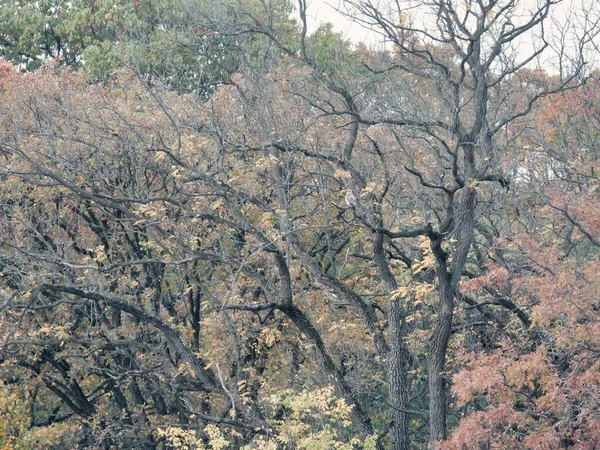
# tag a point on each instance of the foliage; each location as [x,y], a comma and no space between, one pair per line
[337,248]
[174,41]
[538,386]
[312,420]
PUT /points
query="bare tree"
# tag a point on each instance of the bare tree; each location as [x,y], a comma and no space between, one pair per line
[466,52]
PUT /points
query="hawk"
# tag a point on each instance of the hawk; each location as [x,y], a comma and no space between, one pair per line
[350,198]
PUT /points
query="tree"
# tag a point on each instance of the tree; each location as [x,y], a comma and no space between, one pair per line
[138,252]
[173,41]
[281,260]
[466,59]
[535,388]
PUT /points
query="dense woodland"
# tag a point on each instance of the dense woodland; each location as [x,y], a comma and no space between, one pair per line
[222,228]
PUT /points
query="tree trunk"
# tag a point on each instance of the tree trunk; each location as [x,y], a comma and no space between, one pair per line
[448,277]
[436,359]
[398,380]
[398,389]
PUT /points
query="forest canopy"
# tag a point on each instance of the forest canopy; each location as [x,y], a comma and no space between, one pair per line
[222,227]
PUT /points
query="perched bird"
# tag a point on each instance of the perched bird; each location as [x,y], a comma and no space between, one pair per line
[350,198]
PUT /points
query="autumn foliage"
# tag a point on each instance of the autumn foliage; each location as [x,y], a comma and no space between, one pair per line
[290,241]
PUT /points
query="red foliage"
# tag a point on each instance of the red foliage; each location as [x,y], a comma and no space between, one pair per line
[540,388]
[7,72]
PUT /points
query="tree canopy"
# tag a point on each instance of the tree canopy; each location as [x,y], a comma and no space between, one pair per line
[219,229]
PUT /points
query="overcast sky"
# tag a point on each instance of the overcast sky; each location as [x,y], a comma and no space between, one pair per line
[325,11]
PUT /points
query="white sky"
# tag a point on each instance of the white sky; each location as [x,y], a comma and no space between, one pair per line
[325,11]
